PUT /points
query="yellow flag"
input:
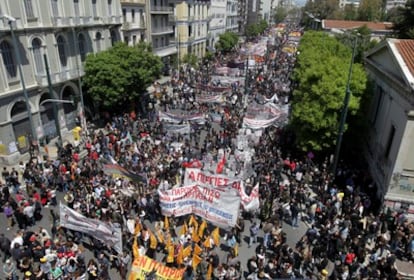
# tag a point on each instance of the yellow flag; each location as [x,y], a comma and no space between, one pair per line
[153,241]
[197,250]
[180,255]
[236,249]
[187,251]
[202,228]
[195,236]
[160,235]
[196,260]
[184,229]
[215,234]
[135,249]
[166,223]
[138,228]
[193,222]
[169,241]
[170,256]
[209,271]
[207,242]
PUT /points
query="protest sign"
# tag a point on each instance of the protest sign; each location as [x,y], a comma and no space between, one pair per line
[118,171]
[143,267]
[221,182]
[107,233]
[220,207]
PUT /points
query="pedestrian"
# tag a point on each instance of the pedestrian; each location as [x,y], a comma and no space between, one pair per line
[8,212]
[9,270]
[254,230]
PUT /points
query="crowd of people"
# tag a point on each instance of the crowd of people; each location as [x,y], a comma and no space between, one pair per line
[344,228]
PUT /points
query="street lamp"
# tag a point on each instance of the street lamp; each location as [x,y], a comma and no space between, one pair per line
[19,67]
[344,111]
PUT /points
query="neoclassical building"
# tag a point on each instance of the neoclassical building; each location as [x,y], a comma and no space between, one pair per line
[63,31]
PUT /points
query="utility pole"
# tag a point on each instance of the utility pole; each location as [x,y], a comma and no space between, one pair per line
[55,109]
[344,111]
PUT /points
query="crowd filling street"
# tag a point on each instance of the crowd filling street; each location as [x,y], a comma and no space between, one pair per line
[227,125]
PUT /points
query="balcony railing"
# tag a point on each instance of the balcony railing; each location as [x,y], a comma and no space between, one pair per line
[142,2]
[172,18]
[133,25]
[112,20]
[58,77]
[162,30]
[161,9]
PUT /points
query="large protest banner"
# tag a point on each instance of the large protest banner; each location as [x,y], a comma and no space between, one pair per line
[220,207]
[222,182]
[143,266]
[108,234]
[180,116]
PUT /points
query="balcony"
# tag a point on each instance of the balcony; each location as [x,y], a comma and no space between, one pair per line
[75,21]
[185,18]
[166,50]
[133,25]
[132,2]
[172,18]
[161,10]
[58,77]
[162,30]
[112,20]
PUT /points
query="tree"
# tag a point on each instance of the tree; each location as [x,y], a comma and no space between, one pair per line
[350,12]
[321,76]
[280,14]
[254,30]
[190,59]
[118,76]
[370,10]
[404,21]
[227,41]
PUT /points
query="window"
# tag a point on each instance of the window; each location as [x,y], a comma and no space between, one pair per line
[124,14]
[28,7]
[110,7]
[389,142]
[8,59]
[82,47]
[134,40]
[55,8]
[37,56]
[133,15]
[76,8]
[114,37]
[378,102]
[62,51]
[98,39]
[94,11]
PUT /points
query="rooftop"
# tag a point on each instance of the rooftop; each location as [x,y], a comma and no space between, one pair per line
[351,24]
[406,50]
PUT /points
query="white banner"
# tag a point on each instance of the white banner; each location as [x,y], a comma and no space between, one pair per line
[177,117]
[108,234]
[177,128]
[217,98]
[221,182]
[220,207]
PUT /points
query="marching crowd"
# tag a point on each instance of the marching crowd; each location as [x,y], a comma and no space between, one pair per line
[344,228]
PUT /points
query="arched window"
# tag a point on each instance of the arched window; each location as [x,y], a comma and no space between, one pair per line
[62,51]
[98,39]
[8,59]
[82,46]
[37,55]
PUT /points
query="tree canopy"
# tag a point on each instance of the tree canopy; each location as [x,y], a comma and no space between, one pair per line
[404,20]
[256,29]
[321,74]
[227,41]
[118,76]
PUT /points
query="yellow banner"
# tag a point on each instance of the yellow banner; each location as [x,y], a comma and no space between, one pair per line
[142,266]
[22,142]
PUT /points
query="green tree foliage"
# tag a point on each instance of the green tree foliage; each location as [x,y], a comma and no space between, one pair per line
[118,76]
[370,10]
[280,14]
[404,21]
[321,75]
[322,9]
[254,30]
[227,41]
[350,12]
[190,59]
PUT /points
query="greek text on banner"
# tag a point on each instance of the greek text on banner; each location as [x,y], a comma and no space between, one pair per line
[143,266]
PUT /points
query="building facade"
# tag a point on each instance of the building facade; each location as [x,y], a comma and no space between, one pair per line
[63,31]
[191,26]
[232,16]
[134,21]
[161,28]
[390,145]
[217,24]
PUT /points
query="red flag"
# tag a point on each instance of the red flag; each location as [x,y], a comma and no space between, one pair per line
[220,165]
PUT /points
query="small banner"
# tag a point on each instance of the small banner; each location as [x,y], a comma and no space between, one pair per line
[143,267]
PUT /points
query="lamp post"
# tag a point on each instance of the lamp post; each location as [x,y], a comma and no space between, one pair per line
[344,111]
[19,67]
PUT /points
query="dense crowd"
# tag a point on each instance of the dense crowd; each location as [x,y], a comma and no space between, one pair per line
[344,228]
